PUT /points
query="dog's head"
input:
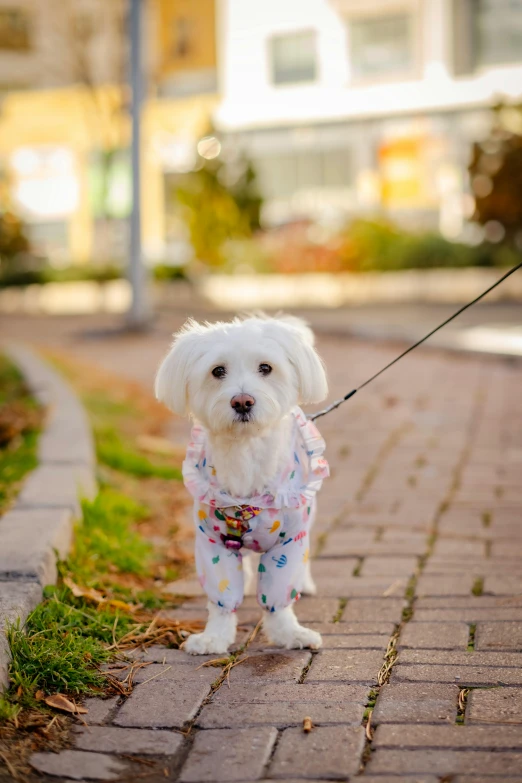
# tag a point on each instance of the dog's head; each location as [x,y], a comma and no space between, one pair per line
[246,373]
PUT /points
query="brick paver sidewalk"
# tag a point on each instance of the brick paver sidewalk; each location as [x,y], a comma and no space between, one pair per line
[419,568]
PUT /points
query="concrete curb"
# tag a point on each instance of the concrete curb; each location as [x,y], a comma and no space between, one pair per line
[38,528]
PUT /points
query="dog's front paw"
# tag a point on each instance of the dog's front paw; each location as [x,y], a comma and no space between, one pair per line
[294,638]
[303,637]
[205,644]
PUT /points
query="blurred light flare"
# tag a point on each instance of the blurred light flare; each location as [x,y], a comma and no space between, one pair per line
[209,147]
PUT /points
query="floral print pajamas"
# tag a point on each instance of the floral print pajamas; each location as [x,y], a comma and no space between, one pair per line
[276,524]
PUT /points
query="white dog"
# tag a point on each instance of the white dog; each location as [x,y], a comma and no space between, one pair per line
[253,467]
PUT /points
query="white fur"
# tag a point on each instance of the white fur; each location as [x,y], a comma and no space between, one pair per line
[246,454]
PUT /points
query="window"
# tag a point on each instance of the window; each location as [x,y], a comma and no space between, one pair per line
[293,58]
[282,175]
[14,29]
[498,31]
[381,45]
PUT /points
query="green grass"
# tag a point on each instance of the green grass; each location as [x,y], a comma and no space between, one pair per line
[339,613]
[66,639]
[112,451]
[18,441]
[471,637]
[58,650]
[106,540]
[15,463]
[8,710]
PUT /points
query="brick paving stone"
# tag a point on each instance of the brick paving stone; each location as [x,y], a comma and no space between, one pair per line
[499,636]
[229,755]
[346,666]
[78,765]
[354,629]
[459,658]
[372,609]
[454,567]
[442,636]
[168,704]
[506,549]
[162,673]
[395,779]
[465,676]
[354,642]
[471,601]
[390,566]
[495,705]
[469,614]
[231,715]
[462,737]
[267,693]
[486,779]
[429,585]
[320,610]
[275,665]
[332,567]
[328,752]
[444,762]
[111,739]
[449,548]
[416,703]
[347,543]
[503,584]
[364,587]
[398,542]
[99,710]
[159,654]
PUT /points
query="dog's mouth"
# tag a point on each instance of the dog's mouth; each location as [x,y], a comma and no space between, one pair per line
[243,418]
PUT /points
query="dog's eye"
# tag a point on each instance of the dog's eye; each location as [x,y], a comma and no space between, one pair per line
[265,369]
[219,372]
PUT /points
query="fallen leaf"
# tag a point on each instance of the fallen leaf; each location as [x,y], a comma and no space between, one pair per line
[117,604]
[98,598]
[83,592]
[60,702]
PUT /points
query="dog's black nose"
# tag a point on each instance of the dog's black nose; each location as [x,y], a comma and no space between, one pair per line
[242,403]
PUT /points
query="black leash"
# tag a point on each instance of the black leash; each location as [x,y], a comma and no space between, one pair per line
[337,403]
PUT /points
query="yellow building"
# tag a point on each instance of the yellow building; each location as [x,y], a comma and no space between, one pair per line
[64,162]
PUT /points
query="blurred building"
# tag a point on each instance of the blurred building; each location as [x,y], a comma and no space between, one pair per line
[354,106]
[64,125]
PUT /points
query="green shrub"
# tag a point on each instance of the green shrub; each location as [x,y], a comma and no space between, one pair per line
[381,246]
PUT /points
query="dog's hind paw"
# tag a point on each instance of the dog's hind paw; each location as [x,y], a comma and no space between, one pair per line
[205,644]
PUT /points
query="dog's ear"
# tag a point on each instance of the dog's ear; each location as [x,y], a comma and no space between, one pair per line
[297,340]
[171,384]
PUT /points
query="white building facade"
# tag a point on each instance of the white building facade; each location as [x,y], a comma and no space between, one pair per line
[351,107]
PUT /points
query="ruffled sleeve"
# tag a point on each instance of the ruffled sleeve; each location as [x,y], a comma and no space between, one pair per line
[314,445]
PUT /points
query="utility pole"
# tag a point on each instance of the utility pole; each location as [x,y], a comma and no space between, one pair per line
[138,315]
